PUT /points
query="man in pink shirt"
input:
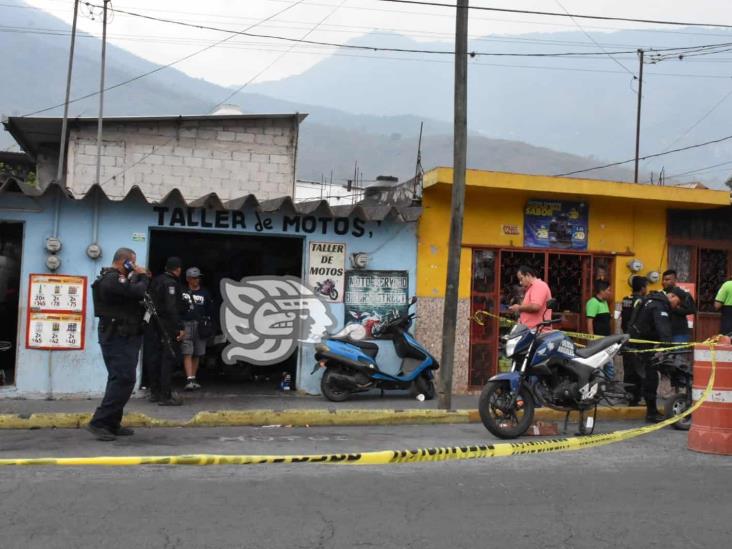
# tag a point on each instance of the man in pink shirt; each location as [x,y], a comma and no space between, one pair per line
[533,310]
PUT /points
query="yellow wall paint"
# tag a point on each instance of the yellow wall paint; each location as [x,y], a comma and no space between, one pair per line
[616,225]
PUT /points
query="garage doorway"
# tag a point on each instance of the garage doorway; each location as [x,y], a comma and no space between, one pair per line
[234,256]
[11,245]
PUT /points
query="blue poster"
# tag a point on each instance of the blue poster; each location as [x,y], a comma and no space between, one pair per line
[556,224]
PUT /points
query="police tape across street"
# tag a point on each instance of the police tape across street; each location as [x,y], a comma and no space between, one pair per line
[385,457]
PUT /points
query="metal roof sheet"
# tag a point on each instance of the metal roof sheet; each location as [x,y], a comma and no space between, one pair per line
[285,204]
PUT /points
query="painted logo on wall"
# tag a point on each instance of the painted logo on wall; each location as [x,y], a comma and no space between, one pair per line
[373,296]
[265,317]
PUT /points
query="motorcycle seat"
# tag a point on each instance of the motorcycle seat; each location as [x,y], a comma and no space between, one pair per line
[369,349]
[600,344]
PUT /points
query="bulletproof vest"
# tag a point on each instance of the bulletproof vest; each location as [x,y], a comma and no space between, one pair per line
[626,311]
[641,324]
[126,310]
[102,308]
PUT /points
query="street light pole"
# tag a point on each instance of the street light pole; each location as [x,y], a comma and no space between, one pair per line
[449,323]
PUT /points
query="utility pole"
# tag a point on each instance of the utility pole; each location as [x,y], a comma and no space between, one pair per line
[638,115]
[101,94]
[65,121]
[460,138]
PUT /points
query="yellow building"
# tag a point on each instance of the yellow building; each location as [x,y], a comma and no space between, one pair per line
[572,231]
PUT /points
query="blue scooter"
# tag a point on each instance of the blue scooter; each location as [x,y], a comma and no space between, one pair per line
[350,365]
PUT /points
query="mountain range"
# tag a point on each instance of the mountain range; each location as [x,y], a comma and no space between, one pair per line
[561,115]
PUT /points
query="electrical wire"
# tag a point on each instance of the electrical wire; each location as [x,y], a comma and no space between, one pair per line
[168,65]
[677,50]
[557,14]
[656,155]
[279,57]
[699,170]
[589,36]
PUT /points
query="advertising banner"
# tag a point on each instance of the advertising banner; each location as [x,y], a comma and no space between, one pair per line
[556,224]
[372,296]
[327,269]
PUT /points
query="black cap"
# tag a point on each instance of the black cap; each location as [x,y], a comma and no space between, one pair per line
[173,263]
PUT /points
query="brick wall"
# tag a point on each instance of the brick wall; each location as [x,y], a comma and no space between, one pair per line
[230,157]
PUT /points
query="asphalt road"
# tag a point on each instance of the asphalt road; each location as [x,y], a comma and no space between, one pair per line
[649,492]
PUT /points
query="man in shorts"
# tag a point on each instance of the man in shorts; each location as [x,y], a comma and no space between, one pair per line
[197,325]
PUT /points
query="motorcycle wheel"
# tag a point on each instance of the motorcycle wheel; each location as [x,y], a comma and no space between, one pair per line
[330,390]
[494,417]
[423,386]
[334,294]
[678,405]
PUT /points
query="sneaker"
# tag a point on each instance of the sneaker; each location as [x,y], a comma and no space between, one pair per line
[124,431]
[190,385]
[101,433]
[196,385]
[170,401]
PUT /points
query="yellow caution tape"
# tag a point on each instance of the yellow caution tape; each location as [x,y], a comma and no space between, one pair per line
[385,457]
[480,317]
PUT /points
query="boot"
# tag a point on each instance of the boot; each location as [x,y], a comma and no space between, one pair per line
[652,413]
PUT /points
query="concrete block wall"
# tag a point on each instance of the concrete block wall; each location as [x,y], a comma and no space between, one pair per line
[230,157]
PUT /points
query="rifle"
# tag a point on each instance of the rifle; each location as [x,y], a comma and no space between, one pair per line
[152,312]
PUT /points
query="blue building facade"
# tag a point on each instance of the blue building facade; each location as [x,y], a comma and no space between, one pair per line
[267,236]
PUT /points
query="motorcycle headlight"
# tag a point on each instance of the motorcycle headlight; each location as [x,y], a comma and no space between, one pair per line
[511,346]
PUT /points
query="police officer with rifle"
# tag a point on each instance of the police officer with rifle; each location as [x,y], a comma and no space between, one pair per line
[651,321]
[167,297]
[118,293]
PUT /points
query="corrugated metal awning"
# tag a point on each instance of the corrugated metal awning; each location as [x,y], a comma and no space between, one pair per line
[211,201]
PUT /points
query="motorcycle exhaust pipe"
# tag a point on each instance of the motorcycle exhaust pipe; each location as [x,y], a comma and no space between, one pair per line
[347,382]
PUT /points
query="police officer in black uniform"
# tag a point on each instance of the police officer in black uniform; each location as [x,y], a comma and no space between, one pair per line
[167,293]
[631,367]
[651,320]
[117,295]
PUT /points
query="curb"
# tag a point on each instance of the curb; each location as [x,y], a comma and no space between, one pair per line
[295,418]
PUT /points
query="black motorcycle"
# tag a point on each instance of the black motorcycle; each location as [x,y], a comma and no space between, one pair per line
[677,368]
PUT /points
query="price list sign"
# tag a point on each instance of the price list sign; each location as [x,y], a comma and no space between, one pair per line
[56,312]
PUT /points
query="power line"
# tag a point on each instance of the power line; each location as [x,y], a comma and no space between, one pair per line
[558,14]
[698,170]
[589,36]
[613,164]
[283,54]
[678,50]
[172,63]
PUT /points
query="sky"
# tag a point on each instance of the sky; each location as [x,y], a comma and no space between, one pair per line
[243,59]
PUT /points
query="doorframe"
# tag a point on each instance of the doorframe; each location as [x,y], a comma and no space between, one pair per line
[498,251]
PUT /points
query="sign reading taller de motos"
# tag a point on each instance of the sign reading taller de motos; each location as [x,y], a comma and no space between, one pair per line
[326,270]
[372,296]
[556,224]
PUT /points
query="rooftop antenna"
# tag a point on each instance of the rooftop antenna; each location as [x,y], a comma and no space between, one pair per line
[418,171]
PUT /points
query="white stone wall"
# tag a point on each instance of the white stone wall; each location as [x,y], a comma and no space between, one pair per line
[230,157]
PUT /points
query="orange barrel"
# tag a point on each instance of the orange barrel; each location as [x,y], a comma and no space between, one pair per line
[711,424]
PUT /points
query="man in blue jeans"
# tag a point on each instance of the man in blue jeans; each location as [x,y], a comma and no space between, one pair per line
[680,331]
[117,294]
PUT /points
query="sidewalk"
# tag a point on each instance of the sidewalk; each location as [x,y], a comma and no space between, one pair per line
[264,407]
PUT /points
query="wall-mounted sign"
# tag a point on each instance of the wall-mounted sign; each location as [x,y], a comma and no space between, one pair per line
[556,224]
[327,269]
[510,230]
[372,296]
[56,312]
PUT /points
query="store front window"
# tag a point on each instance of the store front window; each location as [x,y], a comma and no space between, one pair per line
[495,288]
